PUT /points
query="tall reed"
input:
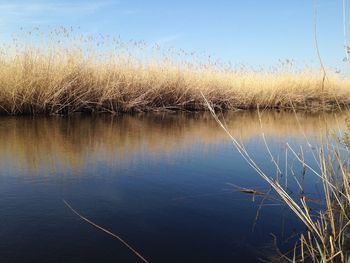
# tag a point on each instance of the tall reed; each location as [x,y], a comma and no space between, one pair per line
[60,73]
[327,238]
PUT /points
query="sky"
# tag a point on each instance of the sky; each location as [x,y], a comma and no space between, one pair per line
[252,32]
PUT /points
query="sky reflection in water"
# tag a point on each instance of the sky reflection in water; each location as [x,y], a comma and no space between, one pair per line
[164,182]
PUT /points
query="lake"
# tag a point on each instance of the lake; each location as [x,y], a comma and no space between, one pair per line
[168,184]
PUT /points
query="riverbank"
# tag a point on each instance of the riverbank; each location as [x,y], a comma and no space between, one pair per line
[64,81]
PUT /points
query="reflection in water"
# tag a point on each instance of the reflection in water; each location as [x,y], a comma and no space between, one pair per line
[147,178]
[34,143]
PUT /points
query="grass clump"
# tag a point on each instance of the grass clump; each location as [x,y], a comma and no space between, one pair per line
[63,74]
[327,235]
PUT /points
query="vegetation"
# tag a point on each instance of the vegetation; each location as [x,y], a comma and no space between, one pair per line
[62,74]
[327,238]
[67,76]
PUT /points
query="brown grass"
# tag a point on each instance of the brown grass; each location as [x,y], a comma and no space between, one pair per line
[327,238]
[65,75]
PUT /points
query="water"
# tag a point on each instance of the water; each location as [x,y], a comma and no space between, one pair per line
[166,183]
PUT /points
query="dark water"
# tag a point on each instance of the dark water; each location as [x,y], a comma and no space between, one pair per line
[166,183]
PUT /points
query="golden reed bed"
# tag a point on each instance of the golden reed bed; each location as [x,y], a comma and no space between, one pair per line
[65,75]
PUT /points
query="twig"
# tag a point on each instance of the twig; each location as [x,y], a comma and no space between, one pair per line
[106,231]
[346,47]
[316,45]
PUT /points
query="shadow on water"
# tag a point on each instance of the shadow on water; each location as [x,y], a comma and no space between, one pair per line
[161,181]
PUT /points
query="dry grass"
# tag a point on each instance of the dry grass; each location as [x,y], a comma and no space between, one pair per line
[62,75]
[327,238]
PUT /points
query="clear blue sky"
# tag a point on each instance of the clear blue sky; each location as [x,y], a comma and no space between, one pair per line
[253,32]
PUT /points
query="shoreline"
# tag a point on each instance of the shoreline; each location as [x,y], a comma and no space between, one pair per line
[88,108]
[63,81]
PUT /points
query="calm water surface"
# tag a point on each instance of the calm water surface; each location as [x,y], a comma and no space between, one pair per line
[166,183]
